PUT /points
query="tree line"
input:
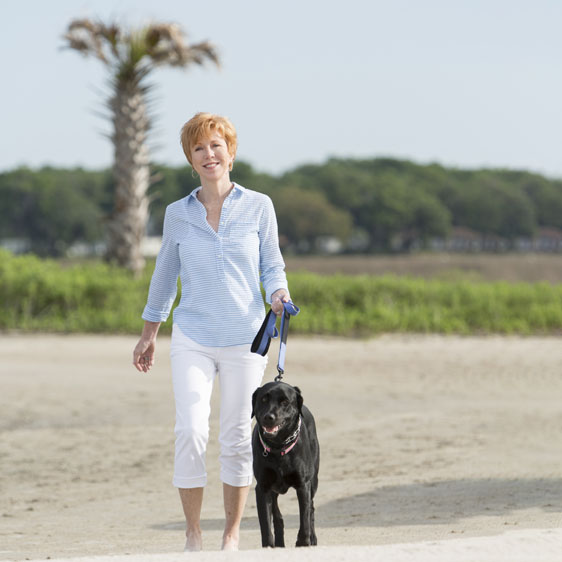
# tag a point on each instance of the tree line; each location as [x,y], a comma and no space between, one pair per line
[362,204]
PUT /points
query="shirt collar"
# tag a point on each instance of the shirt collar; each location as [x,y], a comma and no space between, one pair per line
[238,189]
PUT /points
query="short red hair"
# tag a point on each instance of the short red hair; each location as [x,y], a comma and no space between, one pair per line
[203,125]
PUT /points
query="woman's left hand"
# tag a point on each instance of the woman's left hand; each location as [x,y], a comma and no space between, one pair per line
[277,299]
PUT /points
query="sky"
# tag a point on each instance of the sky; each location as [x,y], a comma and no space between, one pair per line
[464,83]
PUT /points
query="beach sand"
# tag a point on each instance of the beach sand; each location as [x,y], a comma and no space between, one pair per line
[427,440]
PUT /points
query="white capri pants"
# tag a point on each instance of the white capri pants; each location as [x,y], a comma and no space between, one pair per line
[194,368]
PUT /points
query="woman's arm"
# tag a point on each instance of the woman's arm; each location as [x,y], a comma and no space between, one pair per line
[161,295]
[163,285]
[143,355]
[272,266]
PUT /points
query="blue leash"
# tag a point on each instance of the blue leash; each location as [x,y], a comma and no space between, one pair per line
[268,331]
[289,309]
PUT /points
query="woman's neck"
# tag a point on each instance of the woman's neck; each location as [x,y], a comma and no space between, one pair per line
[214,191]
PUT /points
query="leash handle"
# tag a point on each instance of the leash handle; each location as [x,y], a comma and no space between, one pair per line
[289,309]
[267,331]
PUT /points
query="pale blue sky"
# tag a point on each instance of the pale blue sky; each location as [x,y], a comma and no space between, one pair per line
[466,83]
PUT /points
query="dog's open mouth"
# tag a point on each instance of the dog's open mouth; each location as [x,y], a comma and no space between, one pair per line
[272,430]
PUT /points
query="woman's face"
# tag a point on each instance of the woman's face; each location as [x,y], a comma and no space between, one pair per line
[210,157]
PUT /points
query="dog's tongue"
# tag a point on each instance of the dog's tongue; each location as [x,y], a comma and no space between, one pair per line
[271,430]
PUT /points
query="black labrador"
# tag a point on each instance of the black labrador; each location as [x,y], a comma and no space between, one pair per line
[286,455]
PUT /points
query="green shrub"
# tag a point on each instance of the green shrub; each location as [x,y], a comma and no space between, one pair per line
[42,295]
[367,305]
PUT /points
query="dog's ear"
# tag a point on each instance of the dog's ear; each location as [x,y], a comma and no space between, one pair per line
[299,398]
[254,398]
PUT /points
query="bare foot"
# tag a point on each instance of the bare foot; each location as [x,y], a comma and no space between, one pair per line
[229,542]
[194,543]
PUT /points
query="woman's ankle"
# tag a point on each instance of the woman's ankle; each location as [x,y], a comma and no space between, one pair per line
[230,541]
[194,541]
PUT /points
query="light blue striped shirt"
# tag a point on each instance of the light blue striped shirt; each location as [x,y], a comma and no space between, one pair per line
[221,303]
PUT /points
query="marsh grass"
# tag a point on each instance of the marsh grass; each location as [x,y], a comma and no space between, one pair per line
[42,295]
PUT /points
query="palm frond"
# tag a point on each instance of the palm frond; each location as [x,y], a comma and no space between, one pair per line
[200,52]
[135,53]
[166,44]
[86,37]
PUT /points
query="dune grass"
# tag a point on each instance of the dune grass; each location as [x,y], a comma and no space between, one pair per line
[41,295]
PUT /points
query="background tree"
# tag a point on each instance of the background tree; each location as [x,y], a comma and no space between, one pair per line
[131,56]
[49,210]
[546,197]
[305,216]
[389,206]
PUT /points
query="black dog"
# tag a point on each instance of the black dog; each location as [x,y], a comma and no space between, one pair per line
[286,454]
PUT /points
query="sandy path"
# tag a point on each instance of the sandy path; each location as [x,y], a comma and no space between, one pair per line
[423,439]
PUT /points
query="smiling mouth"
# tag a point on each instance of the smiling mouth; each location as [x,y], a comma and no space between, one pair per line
[272,430]
[211,165]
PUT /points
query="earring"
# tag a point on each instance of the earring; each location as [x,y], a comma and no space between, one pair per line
[194,174]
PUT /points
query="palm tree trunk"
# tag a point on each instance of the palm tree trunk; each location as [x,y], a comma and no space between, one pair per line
[127,224]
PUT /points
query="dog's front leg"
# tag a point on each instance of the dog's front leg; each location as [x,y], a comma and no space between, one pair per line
[264,503]
[278,524]
[304,495]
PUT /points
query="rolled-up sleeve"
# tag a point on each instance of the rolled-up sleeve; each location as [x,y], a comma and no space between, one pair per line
[272,266]
[164,282]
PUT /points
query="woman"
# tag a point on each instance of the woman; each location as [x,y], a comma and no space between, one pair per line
[222,241]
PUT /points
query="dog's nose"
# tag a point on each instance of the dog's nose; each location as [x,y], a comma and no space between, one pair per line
[269,418]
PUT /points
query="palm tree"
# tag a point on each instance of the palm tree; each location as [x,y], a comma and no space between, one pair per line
[131,55]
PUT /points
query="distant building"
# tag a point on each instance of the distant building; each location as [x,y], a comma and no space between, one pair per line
[466,240]
[150,246]
[548,240]
[16,245]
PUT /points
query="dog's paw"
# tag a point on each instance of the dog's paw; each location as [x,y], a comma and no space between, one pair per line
[304,541]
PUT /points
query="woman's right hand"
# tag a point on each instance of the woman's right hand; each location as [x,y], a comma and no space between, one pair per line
[143,355]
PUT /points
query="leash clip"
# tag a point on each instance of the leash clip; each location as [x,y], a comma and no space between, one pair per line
[280,374]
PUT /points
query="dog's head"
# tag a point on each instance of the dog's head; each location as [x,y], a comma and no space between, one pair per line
[276,405]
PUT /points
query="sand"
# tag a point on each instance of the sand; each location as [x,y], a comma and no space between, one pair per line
[428,444]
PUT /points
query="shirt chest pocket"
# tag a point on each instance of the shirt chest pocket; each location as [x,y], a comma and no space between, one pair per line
[242,233]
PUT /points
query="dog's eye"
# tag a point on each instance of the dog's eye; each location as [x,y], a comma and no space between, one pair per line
[265,398]
[284,402]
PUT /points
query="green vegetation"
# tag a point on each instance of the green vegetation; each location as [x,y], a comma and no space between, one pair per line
[51,208]
[372,206]
[42,295]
